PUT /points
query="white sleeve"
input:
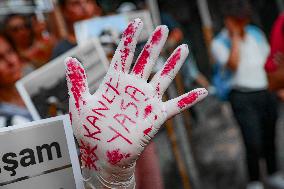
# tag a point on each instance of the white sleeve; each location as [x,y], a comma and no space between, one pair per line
[219,52]
[265,47]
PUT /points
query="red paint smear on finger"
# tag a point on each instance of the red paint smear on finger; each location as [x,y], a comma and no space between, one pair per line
[115,156]
[128,38]
[171,63]
[156,37]
[77,78]
[143,58]
[156,117]
[124,56]
[139,67]
[148,130]
[128,31]
[189,99]
[147,110]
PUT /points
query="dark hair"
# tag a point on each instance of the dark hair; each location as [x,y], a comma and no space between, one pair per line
[236,8]
[11,16]
[62,3]
[7,20]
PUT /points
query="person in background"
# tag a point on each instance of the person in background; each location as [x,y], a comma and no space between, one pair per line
[30,38]
[43,42]
[74,11]
[190,69]
[19,33]
[243,49]
[12,108]
[274,65]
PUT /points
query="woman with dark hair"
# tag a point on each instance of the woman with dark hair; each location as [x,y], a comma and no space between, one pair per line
[18,31]
[74,11]
[30,38]
[12,109]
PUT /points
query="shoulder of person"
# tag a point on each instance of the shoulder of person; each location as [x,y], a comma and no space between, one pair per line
[256,32]
[222,38]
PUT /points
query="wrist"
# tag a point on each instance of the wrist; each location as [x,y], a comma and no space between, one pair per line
[117,177]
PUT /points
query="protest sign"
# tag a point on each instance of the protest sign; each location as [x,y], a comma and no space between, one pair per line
[44,91]
[114,24]
[25,6]
[39,154]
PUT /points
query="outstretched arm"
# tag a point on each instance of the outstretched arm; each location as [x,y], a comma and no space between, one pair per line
[114,125]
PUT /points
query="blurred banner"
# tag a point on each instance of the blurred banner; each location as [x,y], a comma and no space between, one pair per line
[25,6]
[40,154]
[112,26]
[45,90]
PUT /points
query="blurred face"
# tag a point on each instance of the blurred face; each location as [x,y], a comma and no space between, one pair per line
[76,10]
[18,30]
[10,65]
[38,26]
[236,26]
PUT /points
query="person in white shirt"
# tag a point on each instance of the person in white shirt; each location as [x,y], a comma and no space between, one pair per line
[242,49]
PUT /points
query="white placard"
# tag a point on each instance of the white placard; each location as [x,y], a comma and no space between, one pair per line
[114,24]
[39,154]
[25,6]
[90,54]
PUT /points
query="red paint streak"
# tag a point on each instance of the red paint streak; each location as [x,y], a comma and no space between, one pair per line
[114,156]
[127,41]
[156,117]
[127,36]
[110,101]
[95,110]
[143,58]
[124,107]
[132,91]
[147,110]
[121,119]
[148,130]
[92,134]
[156,38]
[171,63]
[189,99]
[129,30]
[110,86]
[77,78]
[88,155]
[124,55]
[118,134]
[70,116]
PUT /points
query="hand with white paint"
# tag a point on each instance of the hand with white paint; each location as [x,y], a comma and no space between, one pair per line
[115,124]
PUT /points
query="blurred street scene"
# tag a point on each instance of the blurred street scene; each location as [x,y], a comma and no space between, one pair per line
[234,139]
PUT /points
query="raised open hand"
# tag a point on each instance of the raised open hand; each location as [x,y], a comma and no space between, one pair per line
[114,125]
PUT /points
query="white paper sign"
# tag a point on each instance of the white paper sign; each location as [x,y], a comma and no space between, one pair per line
[95,63]
[40,154]
[115,24]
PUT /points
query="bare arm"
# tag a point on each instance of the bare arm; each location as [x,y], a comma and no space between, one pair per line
[234,56]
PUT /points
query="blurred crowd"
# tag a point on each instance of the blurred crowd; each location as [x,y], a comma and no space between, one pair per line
[247,72]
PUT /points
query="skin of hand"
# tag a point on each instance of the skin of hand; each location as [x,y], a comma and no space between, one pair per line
[279,58]
[115,124]
[235,32]
[280,94]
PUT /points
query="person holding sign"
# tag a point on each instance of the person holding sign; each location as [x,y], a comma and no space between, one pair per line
[114,125]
